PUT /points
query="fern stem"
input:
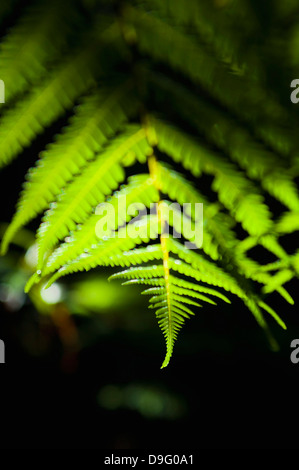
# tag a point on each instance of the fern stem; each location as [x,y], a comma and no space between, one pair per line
[165,252]
[153,170]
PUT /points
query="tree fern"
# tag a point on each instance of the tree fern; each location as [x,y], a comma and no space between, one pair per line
[164,106]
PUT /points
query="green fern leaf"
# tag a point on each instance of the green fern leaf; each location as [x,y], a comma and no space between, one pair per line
[33,44]
[97,118]
[139,187]
[234,191]
[87,191]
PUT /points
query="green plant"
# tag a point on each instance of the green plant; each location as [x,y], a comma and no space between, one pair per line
[165,98]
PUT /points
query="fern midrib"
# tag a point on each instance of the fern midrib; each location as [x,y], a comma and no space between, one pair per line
[163,241]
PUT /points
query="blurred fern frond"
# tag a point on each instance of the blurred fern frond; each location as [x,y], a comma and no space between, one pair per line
[164,107]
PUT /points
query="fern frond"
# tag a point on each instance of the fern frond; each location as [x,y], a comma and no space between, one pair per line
[140,272]
[137,256]
[33,44]
[21,124]
[162,300]
[181,291]
[198,262]
[278,280]
[155,37]
[50,99]
[234,138]
[288,222]
[151,282]
[122,241]
[214,28]
[139,188]
[149,80]
[236,192]
[270,310]
[90,188]
[96,120]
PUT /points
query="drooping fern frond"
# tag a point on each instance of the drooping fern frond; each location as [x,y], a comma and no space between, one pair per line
[97,119]
[139,187]
[234,139]
[174,154]
[95,183]
[235,192]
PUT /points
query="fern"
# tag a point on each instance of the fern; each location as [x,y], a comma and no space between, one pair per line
[97,118]
[34,43]
[162,104]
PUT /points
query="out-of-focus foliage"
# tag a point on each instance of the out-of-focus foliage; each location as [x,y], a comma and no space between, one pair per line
[148,400]
[170,102]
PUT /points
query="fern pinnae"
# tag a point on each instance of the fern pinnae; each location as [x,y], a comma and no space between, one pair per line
[202,68]
[234,138]
[278,279]
[156,282]
[89,189]
[99,115]
[155,291]
[49,99]
[226,42]
[139,187]
[180,299]
[139,272]
[136,256]
[288,222]
[192,75]
[25,52]
[45,104]
[232,187]
[270,310]
[184,292]
[100,255]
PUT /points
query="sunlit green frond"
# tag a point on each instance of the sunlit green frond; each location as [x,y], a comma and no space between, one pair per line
[154,291]
[179,189]
[277,280]
[97,118]
[90,188]
[139,188]
[201,276]
[176,144]
[125,239]
[198,262]
[150,282]
[137,256]
[288,222]
[176,186]
[21,124]
[181,291]
[235,139]
[235,191]
[270,310]
[140,272]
